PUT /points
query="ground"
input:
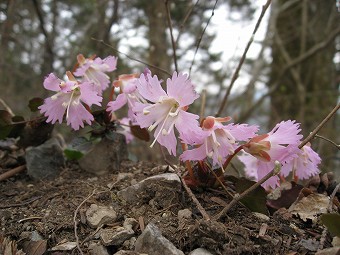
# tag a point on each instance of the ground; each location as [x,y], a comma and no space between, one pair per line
[48,208]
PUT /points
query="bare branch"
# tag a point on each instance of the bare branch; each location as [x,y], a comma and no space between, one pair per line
[132,58]
[173,43]
[201,37]
[185,20]
[236,73]
[316,130]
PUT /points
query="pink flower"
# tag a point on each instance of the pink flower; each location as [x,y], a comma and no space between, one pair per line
[125,129]
[219,140]
[280,144]
[304,165]
[129,94]
[256,169]
[94,70]
[167,109]
[69,97]
[273,146]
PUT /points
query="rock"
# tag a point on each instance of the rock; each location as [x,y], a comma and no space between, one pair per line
[261,216]
[45,161]
[66,246]
[200,251]
[152,242]
[118,235]
[123,252]
[130,194]
[336,241]
[97,215]
[329,251]
[130,244]
[106,156]
[184,214]
[97,249]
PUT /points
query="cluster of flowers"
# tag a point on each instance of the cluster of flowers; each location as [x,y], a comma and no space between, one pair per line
[149,106]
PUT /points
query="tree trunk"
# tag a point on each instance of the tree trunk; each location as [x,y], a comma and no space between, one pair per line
[307,91]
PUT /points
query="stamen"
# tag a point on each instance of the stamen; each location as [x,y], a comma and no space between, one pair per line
[161,128]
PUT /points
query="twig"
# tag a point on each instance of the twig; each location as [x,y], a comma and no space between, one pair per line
[238,197]
[173,43]
[191,195]
[132,58]
[328,140]
[12,172]
[76,223]
[316,130]
[30,218]
[203,102]
[201,37]
[185,20]
[236,73]
[20,204]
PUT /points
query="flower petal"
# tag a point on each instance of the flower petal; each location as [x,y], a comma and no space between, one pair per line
[150,88]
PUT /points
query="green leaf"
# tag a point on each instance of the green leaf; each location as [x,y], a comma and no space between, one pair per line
[332,222]
[256,200]
[73,154]
[34,103]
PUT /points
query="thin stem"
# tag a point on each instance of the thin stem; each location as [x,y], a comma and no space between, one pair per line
[173,42]
[187,164]
[132,58]
[201,36]
[236,73]
[237,198]
[316,130]
[328,140]
[226,163]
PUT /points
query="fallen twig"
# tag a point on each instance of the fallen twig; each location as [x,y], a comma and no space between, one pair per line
[191,195]
[20,204]
[12,172]
[238,197]
[75,220]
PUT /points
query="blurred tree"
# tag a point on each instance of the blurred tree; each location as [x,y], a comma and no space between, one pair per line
[303,71]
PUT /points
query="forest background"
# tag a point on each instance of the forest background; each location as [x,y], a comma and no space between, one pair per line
[293,71]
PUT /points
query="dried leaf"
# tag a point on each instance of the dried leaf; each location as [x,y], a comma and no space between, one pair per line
[310,207]
[36,247]
[67,246]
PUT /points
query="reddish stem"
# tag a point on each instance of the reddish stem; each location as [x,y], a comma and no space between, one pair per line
[188,165]
[226,163]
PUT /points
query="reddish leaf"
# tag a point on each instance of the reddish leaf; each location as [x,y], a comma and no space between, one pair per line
[141,133]
[287,198]
[34,103]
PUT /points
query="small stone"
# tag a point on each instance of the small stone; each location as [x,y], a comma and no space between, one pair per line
[45,161]
[115,236]
[97,215]
[97,249]
[261,216]
[130,244]
[152,242]
[200,251]
[106,156]
[130,194]
[184,214]
[123,252]
[130,223]
[336,241]
[329,251]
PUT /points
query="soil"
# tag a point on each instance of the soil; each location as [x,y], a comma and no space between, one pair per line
[48,208]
